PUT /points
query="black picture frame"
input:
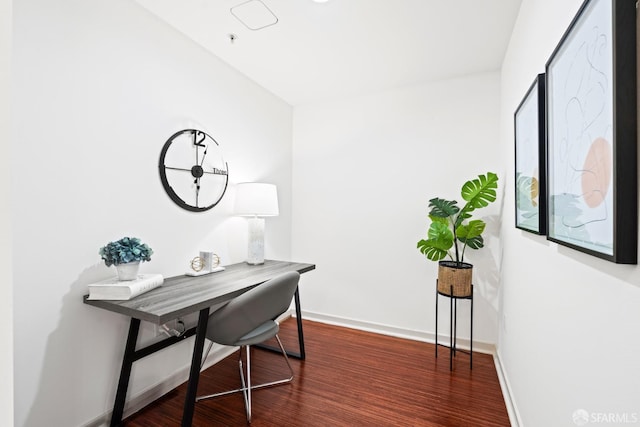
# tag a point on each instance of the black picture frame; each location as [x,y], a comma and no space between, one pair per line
[591,122]
[530,160]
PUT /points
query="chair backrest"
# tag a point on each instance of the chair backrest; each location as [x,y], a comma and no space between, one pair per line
[253,308]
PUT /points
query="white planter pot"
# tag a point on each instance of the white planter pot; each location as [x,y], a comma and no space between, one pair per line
[128,271]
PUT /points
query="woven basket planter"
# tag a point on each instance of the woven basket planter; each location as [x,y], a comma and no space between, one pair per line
[456,275]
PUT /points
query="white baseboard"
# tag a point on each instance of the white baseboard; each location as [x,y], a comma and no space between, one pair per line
[159,389]
[463,343]
[512,409]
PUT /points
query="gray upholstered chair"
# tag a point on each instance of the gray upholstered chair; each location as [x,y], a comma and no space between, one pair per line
[250,319]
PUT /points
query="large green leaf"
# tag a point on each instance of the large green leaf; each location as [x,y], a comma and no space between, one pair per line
[431,252]
[481,191]
[478,193]
[443,208]
[439,241]
[468,231]
[439,230]
[440,219]
[476,242]
[471,234]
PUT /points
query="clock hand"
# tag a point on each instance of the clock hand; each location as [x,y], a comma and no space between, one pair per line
[177,169]
[204,155]
[197,170]
[197,183]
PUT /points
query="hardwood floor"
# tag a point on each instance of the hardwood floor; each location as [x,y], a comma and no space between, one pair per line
[349,378]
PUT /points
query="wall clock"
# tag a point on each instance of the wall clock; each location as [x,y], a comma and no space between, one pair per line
[193,171]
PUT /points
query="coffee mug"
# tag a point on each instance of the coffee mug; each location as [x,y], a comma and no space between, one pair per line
[211,260]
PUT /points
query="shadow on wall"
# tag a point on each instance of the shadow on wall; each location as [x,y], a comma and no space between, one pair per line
[72,372]
[487,279]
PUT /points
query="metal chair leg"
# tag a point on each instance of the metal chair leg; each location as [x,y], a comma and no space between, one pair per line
[206,354]
[247,392]
[246,382]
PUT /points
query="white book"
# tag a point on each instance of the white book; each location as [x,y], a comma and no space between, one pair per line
[113,289]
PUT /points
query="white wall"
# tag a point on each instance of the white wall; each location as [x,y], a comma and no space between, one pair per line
[98,88]
[6,289]
[569,320]
[363,172]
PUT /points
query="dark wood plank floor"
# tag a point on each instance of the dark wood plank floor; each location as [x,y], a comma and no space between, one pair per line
[350,378]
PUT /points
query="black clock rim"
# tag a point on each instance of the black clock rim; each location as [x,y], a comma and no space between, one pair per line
[165,183]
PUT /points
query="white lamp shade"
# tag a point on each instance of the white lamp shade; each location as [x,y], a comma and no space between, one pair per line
[256,199]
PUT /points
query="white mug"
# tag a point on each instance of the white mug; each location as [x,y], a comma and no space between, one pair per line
[211,260]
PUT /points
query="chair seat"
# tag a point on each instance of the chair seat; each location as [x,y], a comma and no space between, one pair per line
[260,334]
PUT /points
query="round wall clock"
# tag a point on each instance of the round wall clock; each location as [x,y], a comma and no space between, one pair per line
[193,171]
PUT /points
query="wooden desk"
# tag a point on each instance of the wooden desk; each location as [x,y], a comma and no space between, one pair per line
[183,295]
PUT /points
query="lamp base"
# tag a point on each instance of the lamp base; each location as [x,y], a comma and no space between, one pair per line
[255,254]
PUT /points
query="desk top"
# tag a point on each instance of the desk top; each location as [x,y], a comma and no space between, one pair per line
[182,295]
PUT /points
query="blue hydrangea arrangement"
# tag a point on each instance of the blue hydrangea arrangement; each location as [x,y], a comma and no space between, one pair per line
[127,249]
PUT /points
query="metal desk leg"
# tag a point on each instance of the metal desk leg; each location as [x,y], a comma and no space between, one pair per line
[125,372]
[299,321]
[301,355]
[194,375]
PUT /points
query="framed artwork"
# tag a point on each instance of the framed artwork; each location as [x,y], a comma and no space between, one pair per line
[592,133]
[530,182]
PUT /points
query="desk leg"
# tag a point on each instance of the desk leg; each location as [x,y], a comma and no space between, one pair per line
[194,375]
[125,372]
[299,321]
[301,355]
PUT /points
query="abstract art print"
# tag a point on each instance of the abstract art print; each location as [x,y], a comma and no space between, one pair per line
[592,133]
[530,180]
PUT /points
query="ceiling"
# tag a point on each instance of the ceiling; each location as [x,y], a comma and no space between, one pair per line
[318,51]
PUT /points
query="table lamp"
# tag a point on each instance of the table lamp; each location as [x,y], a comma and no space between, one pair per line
[256,201]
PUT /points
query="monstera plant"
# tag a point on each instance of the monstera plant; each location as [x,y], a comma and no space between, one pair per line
[453,230]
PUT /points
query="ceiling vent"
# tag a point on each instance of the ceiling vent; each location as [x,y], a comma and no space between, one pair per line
[254,14]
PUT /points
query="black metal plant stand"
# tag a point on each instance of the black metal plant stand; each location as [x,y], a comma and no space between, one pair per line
[453,304]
